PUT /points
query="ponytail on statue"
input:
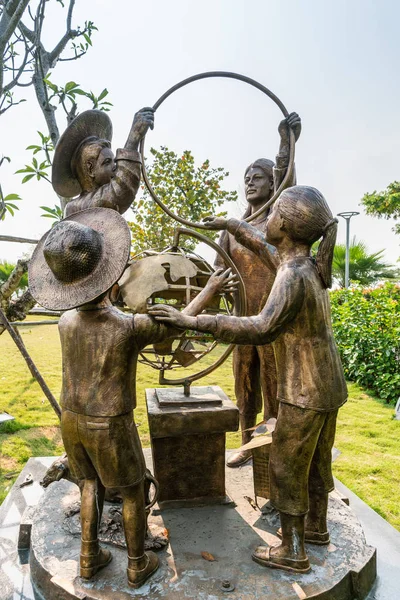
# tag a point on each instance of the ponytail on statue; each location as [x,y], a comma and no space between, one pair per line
[324,256]
[308,218]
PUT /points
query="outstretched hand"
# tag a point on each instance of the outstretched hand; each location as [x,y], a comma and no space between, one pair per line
[223,281]
[294,122]
[215,223]
[169,315]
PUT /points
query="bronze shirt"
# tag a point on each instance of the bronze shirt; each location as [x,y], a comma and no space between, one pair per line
[297,319]
[100,349]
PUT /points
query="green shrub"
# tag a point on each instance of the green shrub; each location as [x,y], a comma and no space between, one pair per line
[366,324]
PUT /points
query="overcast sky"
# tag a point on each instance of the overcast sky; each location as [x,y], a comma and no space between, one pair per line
[336,63]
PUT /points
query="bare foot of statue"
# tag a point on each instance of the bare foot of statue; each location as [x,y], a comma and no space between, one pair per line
[239,458]
[281,557]
[140,569]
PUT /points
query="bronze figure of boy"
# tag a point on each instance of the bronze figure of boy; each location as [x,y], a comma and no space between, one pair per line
[73,267]
[84,164]
[311,385]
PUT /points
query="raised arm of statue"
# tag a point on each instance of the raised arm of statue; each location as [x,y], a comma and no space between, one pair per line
[84,164]
[282,158]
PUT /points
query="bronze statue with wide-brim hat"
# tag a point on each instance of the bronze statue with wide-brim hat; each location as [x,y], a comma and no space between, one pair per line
[79,259]
[90,125]
[85,168]
[74,266]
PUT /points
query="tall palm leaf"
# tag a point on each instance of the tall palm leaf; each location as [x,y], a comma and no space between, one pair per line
[364,268]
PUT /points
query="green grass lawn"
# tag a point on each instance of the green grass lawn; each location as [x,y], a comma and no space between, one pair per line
[367,435]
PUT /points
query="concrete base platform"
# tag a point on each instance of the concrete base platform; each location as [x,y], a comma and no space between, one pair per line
[345,569]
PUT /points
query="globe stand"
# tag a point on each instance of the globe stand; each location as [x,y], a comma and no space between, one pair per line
[187,434]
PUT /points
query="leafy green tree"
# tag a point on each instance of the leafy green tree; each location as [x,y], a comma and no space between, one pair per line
[189,190]
[384,204]
[364,268]
[26,60]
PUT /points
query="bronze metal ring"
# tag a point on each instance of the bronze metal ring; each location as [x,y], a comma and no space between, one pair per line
[255,84]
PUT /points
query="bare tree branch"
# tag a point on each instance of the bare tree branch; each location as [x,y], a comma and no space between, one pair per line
[10,18]
[69,14]
[72,57]
[18,309]
[11,238]
[54,55]
[9,21]
[21,69]
[28,33]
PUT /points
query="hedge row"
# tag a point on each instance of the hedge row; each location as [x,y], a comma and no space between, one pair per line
[366,324]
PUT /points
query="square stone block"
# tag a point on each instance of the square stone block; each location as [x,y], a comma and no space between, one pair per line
[188,443]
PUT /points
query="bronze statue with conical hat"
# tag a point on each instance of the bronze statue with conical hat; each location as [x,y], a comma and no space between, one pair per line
[72,269]
[85,168]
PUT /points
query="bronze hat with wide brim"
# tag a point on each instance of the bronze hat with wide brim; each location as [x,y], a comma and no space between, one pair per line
[54,294]
[89,123]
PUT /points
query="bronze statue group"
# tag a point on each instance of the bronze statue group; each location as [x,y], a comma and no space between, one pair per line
[285,353]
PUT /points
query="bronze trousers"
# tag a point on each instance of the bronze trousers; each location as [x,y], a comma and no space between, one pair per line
[301,457]
[254,370]
[105,447]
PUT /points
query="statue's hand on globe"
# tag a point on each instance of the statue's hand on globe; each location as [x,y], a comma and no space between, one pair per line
[168,314]
[220,281]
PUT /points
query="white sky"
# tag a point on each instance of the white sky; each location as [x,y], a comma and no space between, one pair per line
[336,63]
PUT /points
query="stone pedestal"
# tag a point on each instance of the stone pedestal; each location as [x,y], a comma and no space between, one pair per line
[344,570]
[188,443]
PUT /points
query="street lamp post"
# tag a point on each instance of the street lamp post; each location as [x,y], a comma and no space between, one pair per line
[347,216]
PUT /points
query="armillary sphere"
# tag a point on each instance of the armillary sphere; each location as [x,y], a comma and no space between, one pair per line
[238,308]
